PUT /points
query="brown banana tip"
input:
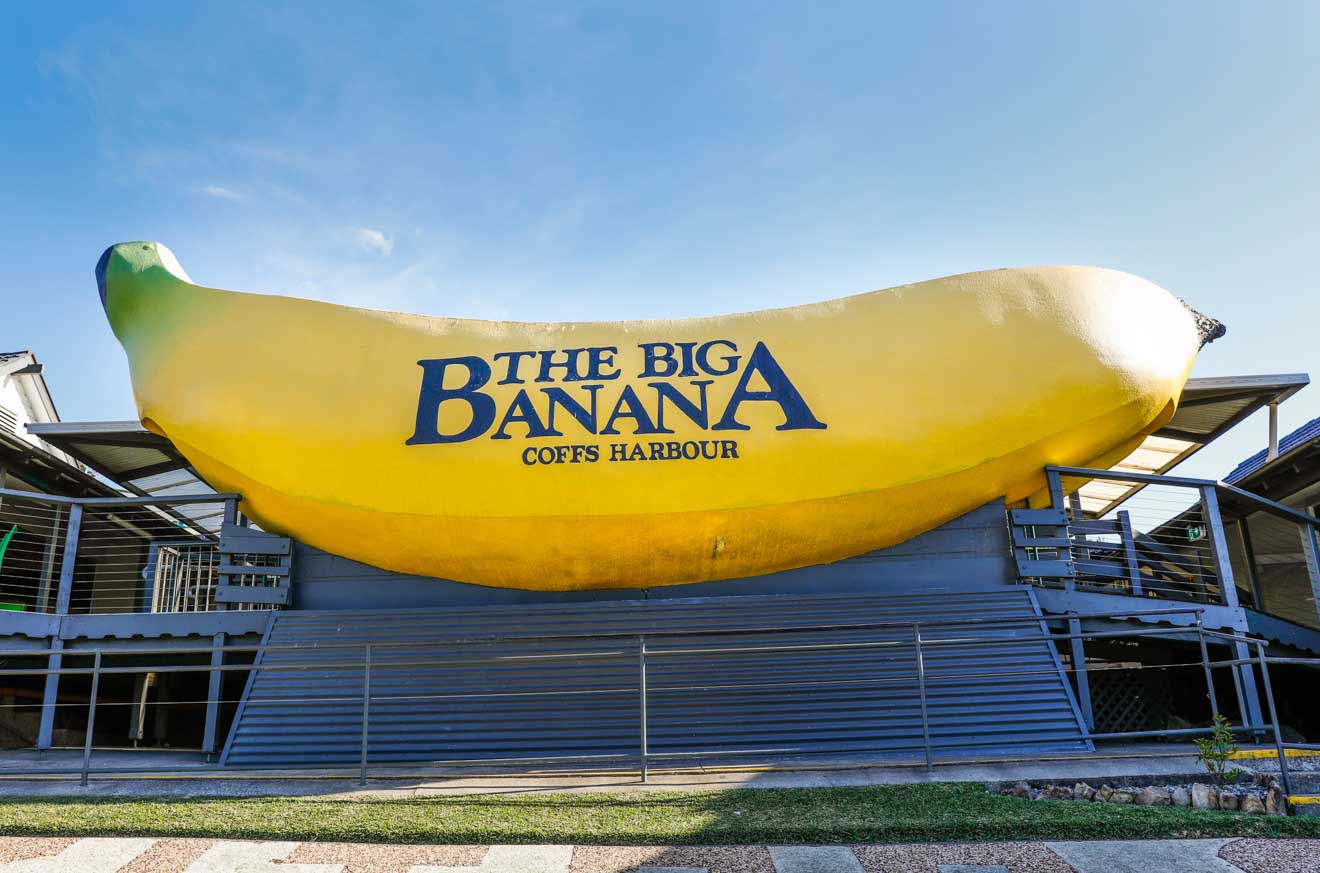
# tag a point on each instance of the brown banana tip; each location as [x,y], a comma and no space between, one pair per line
[1209,328]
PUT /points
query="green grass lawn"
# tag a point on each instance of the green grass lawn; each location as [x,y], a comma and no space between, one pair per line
[901,813]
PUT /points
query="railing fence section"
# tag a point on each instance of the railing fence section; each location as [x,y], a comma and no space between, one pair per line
[32,536]
[1165,541]
[61,555]
[914,647]
[1191,540]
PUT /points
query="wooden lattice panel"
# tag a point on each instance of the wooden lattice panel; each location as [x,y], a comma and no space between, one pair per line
[1129,699]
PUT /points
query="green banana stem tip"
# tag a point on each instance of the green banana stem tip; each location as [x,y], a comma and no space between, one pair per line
[100,273]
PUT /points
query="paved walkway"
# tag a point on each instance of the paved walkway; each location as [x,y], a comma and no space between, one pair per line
[189,778]
[126,855]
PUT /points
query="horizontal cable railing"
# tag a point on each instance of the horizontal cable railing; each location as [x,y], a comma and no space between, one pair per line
[34,534]
[1160,542]
[900,662]
[65,555]
[1194,540]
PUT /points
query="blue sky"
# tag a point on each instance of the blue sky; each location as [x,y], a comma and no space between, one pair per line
[597,161]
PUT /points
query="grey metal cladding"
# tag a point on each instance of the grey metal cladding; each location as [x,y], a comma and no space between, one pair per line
[971,552]
[575,697]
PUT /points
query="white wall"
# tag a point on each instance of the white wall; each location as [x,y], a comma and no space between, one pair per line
[21,404]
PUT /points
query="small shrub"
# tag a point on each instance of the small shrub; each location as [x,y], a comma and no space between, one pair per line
[1216,750]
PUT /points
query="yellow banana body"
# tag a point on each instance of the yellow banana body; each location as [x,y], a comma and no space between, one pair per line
[624,454]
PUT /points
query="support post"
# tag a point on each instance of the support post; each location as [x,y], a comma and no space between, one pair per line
[366,710]
[641,699]
[230,517]
[1205,665]
[1249,698]
[1219,545]
[1274,432]
[1077,648]
[921,693]
[48,560]
[91,718]
[1274,719]
[1057,501]
[1130,551]
[49,695]
[51,692]
[1253,572]
[213,691]
[1055,483]
[137,715]
[1311,549]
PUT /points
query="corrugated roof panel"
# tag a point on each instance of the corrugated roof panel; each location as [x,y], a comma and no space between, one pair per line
[1299,437]
[1207,419]
[125,458]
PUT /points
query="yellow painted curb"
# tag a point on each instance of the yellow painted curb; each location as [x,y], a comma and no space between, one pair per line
[1271,753]
[1304,799]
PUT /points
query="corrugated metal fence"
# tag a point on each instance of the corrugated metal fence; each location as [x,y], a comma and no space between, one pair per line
[723,678]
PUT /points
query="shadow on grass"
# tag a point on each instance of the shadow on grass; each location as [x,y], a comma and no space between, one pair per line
[881,814]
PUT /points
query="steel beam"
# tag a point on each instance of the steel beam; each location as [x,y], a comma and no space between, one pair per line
[213,691]
[1078,652]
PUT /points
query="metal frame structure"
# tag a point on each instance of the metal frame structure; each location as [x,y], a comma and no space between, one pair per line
[1178,622]
[924,637]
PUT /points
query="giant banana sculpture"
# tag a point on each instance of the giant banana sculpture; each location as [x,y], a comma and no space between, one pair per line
[595,455]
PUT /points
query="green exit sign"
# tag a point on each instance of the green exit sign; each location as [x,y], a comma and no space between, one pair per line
[1195,532]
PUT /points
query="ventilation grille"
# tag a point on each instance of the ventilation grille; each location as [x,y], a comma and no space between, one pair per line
[8,421]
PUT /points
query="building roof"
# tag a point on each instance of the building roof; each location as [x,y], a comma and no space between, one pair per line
[1298,439]
[26,375]
[1208,408]
[138,460]
[24,365]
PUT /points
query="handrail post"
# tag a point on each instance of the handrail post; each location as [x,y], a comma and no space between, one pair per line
[641,687]
[1205,665]
[921,693]
[230,518]
[1054,484]
[91,718]
[1128,536]
[1219,546]
[366,710]
[1274,718]
[50,694]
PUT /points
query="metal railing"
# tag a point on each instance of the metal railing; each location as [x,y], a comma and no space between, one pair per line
[110,554]
[912,641]
[1262,660]
[1193,540]
[1163,542]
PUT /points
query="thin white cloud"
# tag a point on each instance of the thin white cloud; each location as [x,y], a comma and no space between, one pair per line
[222,193]
[373,241]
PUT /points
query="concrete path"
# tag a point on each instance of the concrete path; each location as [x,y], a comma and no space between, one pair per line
[1166,856]
[56,774]
[113,855]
